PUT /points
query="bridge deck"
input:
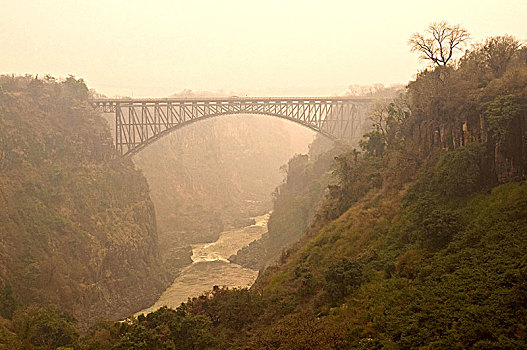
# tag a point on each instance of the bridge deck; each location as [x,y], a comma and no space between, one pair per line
[236,99]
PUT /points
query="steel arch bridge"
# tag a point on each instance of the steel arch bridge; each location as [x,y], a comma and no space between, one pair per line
[139,122]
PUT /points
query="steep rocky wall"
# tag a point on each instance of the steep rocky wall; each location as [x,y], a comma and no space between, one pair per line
[77,227]
[295,203]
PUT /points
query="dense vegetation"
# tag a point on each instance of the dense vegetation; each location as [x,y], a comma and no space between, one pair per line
[421,241]
[77,228]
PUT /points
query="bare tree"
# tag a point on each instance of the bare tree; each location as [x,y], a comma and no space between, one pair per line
[439,42]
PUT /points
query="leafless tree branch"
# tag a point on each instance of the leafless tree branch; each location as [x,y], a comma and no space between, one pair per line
[439,43]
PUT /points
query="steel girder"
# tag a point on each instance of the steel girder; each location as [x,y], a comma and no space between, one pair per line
[139,122]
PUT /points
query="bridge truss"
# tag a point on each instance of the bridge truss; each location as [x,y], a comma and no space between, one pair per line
[139,122]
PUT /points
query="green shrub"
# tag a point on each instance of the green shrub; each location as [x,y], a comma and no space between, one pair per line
[45,328]
[342,278]
[8,302]
[460,173]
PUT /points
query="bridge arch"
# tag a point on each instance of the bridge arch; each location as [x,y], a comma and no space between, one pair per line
[140,122]
[182,125]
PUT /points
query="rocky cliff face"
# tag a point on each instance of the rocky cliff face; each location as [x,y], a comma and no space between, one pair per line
[294,206]
[77,227]
[476,103]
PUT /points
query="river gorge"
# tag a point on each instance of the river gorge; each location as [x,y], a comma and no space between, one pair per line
[283,205]
[211,267]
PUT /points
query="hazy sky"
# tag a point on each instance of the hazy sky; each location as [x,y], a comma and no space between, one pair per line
[266,47]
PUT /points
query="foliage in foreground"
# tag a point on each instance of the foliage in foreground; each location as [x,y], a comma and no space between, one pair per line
[370,280]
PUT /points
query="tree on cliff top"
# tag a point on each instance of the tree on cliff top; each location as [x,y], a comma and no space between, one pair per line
[439,42]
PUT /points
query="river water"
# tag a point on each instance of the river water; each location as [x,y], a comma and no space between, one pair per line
[211,267]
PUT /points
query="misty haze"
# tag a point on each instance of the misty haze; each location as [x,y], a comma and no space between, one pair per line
[263,175]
